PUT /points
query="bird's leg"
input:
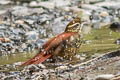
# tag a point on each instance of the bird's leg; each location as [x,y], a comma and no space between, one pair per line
[56,53]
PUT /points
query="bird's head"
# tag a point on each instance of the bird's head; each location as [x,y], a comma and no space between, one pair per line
[75,25]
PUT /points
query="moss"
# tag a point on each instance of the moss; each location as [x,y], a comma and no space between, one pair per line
[102,40]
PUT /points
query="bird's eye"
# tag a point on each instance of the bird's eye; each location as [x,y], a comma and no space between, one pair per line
[76,25]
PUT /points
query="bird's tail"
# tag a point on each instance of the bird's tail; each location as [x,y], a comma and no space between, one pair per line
[39,58]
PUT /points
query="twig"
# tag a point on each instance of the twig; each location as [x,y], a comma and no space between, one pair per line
[89,61]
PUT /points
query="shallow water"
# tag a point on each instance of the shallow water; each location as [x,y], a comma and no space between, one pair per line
[18,57]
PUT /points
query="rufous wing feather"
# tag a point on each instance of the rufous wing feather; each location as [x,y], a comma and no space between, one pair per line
[43,55]
[37,59]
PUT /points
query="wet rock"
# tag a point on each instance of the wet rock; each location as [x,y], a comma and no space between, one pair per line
[115,26]
[117,41]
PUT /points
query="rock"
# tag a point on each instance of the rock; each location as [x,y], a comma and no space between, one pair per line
[24,46]
[115,26]
[5,2]
[117,41]
[31,36]
[108,4]
[75,9]
[18,63]
[39,43]
[19,22]
[104,77]
[33,3]
[2,12]
[62,3]
[30,22]
[49,5]
[46,4]
[20,11]
[88,41]
[104,14]
[41,66]
[23,11]
[94,1]
[95,19]
[105,17]
[31,68]
[91,7]
[66,8]
[57,23]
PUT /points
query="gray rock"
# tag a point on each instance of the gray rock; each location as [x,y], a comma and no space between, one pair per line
[49,5]
[5,2]
[95,20]
[58,26]
[33,3]
[104,77]
[108,4]
[62,3]
[91,7]
[31,36]
[23,11]
[117,41]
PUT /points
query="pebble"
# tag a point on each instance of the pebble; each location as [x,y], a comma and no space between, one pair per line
[117,41]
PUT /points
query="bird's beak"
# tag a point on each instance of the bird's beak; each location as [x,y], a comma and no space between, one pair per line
[82,25]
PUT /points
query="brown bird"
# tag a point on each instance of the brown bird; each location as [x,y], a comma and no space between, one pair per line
[64,45]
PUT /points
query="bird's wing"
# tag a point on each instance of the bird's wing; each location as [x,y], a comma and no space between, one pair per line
[45,54]
[48,42]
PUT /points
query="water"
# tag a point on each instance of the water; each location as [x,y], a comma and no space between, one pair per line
[19,57]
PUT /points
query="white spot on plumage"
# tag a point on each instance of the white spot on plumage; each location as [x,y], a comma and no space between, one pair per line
[67,40]
[44,52]
[73,21]
[63,35]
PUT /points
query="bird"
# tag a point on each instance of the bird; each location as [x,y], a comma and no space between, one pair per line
[65,45]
